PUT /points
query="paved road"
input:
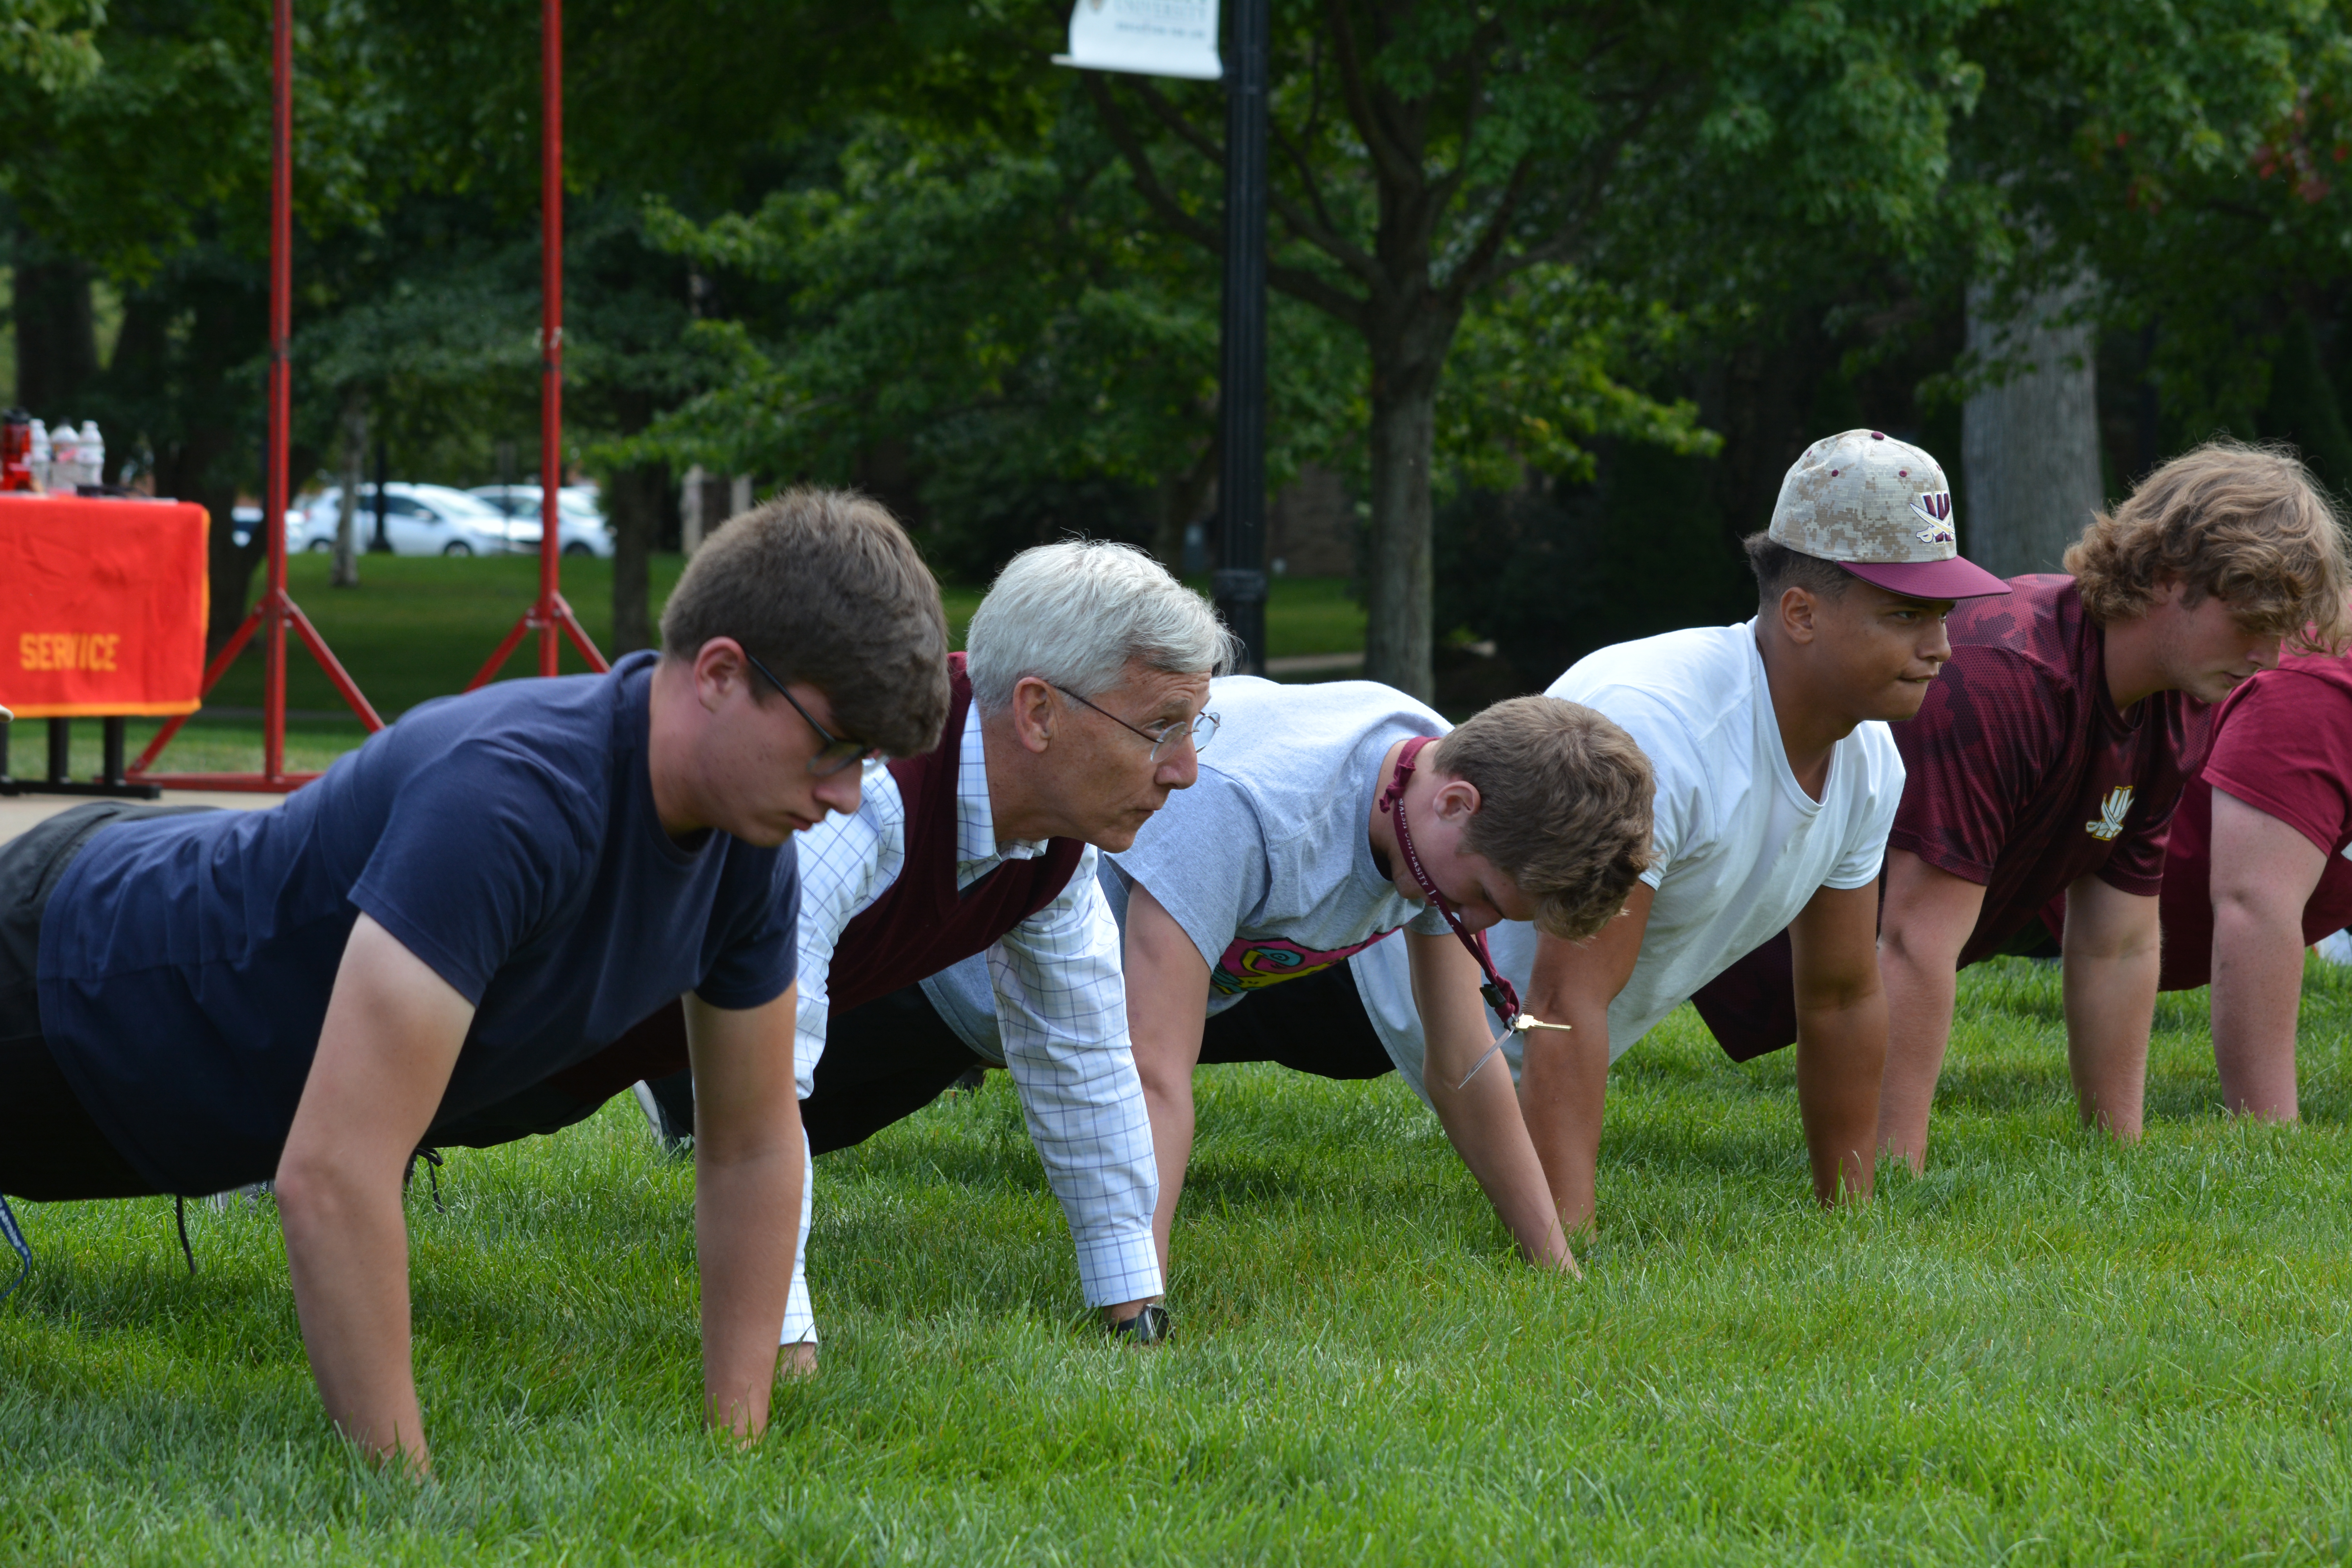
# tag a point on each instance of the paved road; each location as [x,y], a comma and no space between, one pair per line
[20,812]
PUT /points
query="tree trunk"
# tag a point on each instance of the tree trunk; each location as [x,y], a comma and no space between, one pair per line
[57,336]
[1406,364]
[637,495]
[2030,447]
[347,513]
[1180,499]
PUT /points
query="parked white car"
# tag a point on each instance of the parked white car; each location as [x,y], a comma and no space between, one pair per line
[579,527]
[419,519]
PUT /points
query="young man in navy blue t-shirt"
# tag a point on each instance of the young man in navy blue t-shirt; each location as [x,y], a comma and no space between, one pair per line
[484,894]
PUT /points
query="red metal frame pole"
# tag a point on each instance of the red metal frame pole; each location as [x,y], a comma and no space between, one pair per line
[281,391]
[551,406]
[549,614]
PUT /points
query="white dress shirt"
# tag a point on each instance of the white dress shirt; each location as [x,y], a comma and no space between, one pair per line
[1061,1013]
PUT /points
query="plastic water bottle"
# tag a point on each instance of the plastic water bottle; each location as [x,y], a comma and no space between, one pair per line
[65,457]
[40,456]
[93,454]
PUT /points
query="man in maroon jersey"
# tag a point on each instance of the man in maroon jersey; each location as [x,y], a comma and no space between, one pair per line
[2256,869]
[2048,758]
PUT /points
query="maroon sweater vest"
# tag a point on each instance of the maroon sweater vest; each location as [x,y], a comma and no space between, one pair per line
[922,924]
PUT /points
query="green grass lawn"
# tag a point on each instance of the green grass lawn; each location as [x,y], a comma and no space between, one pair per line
[419,627]
[2048,1349]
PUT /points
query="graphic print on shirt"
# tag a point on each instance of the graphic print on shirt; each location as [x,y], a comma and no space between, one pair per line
[1251,963]
[2111,814]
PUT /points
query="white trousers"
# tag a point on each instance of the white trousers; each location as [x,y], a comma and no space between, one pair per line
[800,1318]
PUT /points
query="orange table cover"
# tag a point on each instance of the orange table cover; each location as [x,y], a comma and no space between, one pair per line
[103,607]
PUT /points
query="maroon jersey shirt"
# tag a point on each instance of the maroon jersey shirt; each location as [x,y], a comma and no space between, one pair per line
[2022,775]
[2282,743]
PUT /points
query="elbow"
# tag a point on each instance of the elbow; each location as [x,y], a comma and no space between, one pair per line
[774,1133]
[315,1194]
[2255,909]
[1845,993]
[1903,947]
[1159,1068]
[2134,946]
[1443,1097]
[1844,979]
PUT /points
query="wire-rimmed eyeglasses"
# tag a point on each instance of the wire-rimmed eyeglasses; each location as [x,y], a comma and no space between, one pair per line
[837,752]
[1202,731]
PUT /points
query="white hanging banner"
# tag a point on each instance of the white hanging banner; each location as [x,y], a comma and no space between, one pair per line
[1147,37]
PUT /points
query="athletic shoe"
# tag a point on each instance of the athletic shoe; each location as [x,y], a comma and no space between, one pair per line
[668,1106]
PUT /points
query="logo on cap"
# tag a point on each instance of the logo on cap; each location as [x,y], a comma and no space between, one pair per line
[1934,508]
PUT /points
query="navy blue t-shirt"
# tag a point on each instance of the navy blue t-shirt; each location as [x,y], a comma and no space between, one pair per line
[506,837]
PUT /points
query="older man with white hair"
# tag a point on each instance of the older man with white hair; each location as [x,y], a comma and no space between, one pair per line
[1076,712]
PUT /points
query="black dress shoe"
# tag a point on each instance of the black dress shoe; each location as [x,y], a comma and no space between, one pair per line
[1147,1327]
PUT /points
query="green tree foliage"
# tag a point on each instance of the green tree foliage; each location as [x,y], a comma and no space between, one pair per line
[51,43]
[1001,316]
[2190,154]
[1543,367]
[1425,153]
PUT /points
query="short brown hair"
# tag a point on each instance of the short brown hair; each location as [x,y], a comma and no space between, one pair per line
[2246,524]
[824,586]
[1779,568]
[1563,807]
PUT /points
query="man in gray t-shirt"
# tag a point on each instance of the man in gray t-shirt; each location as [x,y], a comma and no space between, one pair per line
[1298,847]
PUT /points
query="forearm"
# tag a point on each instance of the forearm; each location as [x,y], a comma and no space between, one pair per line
[1168,1102]
[347,1251]
[2257,998]
[1841,1058]
[1563,1088]
[1083,1104]
[2110,1007]
[1918,997]
[746,1223]
[1483,1121]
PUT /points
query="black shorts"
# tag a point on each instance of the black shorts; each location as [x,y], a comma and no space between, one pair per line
[889,1058]
[1751,1008]
[1315,1024]
[49,1147]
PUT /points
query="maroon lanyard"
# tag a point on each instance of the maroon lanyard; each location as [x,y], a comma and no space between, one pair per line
[1497,989]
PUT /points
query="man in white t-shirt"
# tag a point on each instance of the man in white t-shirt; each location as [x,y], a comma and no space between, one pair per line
[1327,818]
[1776,782]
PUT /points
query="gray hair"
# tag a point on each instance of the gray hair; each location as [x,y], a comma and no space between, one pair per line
[1075,613]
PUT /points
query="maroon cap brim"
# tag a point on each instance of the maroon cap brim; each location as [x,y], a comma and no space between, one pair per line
[1958,578]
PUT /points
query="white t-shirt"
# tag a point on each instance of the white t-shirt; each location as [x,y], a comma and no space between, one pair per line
[1739,848]
[1266,861]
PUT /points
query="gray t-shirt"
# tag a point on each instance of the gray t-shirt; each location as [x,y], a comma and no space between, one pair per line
[1266,861]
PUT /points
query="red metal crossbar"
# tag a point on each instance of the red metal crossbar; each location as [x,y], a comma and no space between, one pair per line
[549,614]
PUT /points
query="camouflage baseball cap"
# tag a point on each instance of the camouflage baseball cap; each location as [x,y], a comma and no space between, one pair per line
[1881,508]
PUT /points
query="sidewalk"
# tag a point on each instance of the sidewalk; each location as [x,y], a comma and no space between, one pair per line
[20,812]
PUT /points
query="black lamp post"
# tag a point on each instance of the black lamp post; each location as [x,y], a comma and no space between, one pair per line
[1239,580]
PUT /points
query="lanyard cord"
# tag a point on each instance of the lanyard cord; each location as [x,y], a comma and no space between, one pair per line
[1498,991]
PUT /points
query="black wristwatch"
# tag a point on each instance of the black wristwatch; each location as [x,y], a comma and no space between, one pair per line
[1147,1327]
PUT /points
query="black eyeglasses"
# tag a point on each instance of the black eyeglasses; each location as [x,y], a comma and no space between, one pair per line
[836,753]
[1201,729]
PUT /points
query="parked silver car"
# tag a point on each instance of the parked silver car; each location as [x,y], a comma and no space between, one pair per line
[419,519]
[579,527]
